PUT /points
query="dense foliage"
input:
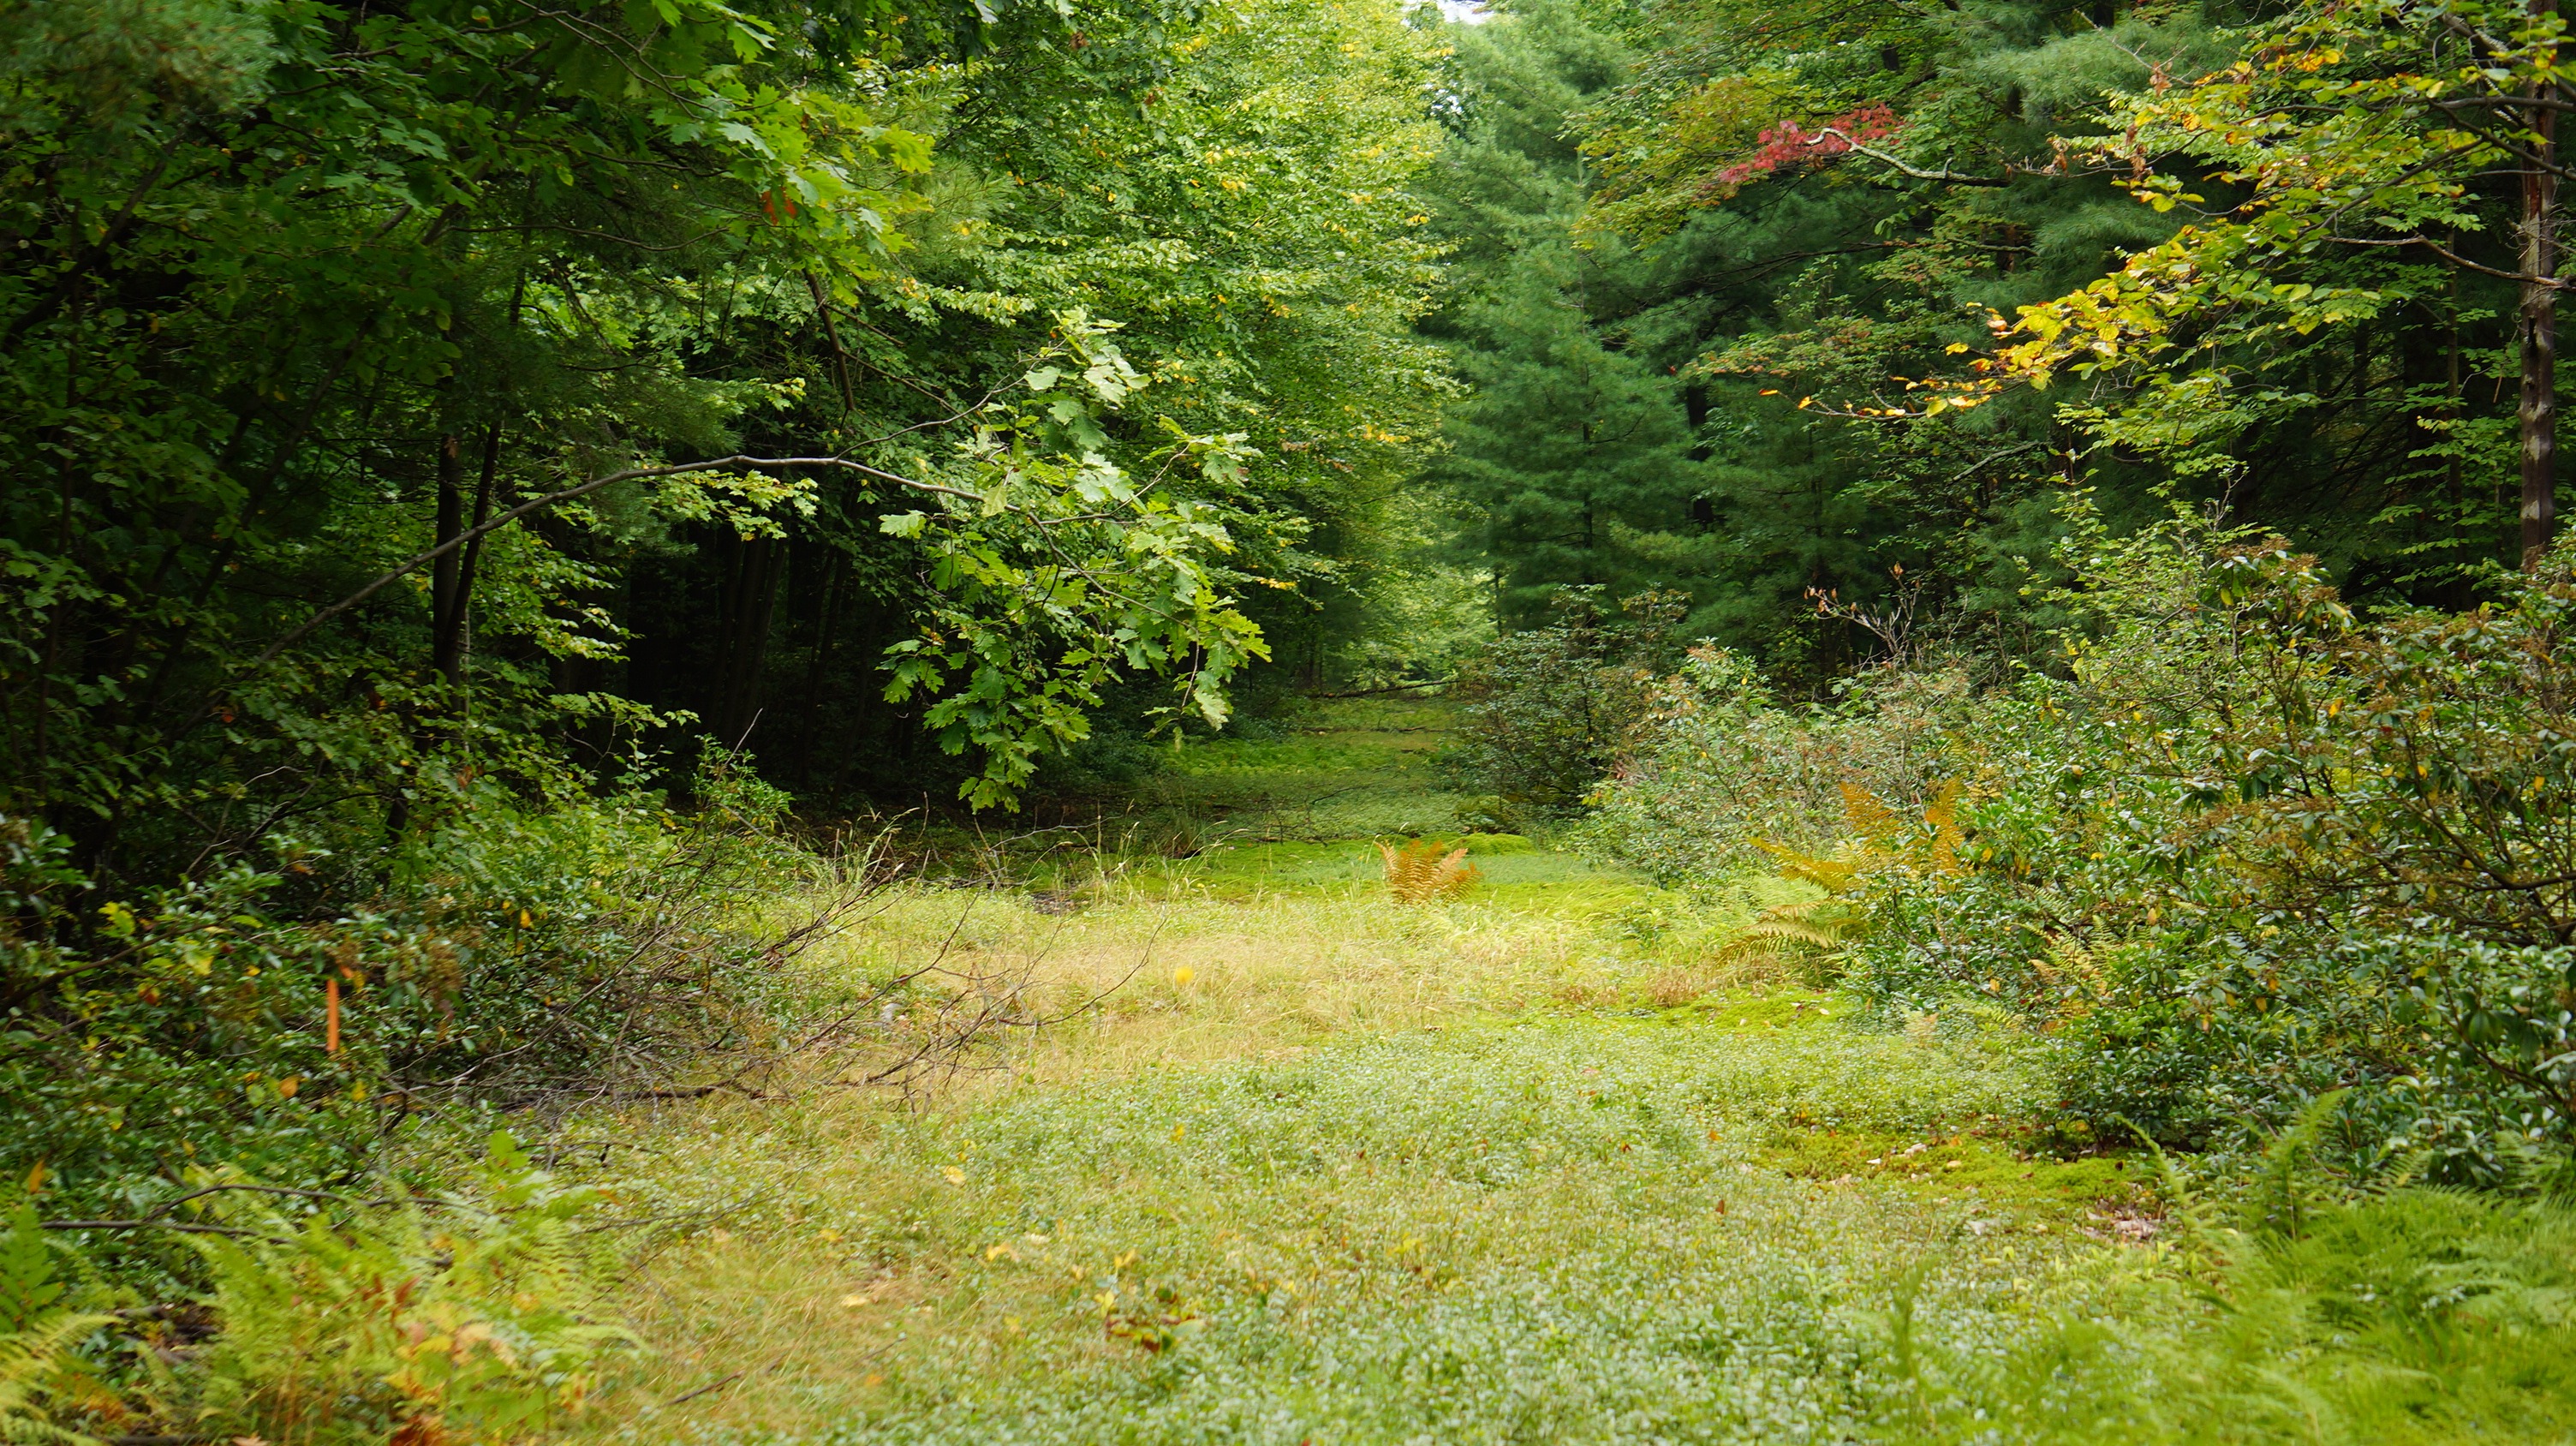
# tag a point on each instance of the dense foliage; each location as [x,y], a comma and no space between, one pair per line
[447,388]
[1763,301]
[2067,485]
[2249,852]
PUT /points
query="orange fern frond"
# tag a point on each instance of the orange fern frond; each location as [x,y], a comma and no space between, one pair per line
[1419,873]
[1869,815]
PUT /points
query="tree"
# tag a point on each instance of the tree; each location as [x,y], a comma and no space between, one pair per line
[2348,137]
[378,367]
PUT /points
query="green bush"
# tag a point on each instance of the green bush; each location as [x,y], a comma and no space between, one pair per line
[2241,851]
[1550,711]
[510,956]
[1720,767]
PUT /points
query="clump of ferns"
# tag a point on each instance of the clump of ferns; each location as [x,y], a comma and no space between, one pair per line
[1420,872]
[1810,935]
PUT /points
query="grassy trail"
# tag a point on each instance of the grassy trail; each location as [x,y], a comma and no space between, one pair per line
[1325,1169]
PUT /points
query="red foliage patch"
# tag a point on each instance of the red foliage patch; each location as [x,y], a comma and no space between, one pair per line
[1790,144]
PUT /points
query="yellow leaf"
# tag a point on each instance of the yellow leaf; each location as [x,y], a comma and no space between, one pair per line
[955,1175]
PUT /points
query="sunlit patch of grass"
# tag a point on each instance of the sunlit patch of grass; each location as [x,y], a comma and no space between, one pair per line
[1267,972]
[1550,1229]
[1968,1161]
[1350,768]
[1516,875]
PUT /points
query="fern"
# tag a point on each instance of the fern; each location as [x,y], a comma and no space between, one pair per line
[2296,1184]
[472,1324]
[1817,929]
[33,1363]
[37,1367]
[28,1289]
[1806,933]
[1420,873]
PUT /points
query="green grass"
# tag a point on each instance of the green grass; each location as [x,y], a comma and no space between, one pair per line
[1558,1229]
[1350,768]
[1318,1168]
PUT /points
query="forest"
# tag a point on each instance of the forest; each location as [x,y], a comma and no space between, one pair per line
[762,721]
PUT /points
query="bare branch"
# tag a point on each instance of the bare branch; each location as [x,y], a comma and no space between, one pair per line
[1955,178]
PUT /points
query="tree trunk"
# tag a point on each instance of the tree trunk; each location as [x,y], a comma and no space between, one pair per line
[2538,324]
[827,628]
[454,638]
[445,593]
[751,597]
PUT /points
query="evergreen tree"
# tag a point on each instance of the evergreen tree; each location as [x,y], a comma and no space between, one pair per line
[1571,452]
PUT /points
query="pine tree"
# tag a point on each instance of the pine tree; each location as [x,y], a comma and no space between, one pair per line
[1571,451]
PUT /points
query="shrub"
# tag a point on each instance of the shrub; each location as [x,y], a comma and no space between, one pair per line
[513,956]
[1720,767]
[2247,851]
[1551,710]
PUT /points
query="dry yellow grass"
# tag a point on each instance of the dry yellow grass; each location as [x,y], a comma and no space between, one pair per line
[1676,987]
[766,1294]
[1263,973]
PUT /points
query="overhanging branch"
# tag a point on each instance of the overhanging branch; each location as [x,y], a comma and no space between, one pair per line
[735,463]
[1955,178]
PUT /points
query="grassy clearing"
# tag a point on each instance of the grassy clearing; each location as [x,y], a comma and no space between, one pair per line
[1317,1168]
[1345,769]
[1338,1240]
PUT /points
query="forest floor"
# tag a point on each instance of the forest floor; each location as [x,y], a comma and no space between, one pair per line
[1322,1168]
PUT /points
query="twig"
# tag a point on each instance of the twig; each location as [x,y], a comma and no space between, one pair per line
[718,1383]
[179,1225]
[1955,178]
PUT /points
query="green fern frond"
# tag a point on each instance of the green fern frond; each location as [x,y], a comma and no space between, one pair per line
[1811,927]
[30,1360]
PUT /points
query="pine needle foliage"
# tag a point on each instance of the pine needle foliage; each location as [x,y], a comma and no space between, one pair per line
[1420,872]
